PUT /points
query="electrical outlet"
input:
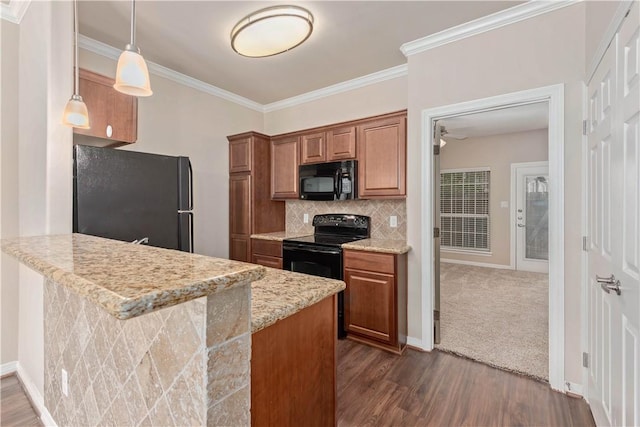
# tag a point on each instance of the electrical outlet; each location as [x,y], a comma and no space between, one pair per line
[393,221]
[65,383]
[305,218]
[504,204]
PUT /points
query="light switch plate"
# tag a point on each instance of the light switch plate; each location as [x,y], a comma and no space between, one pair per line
[504,204]
[305,218]
[393,221]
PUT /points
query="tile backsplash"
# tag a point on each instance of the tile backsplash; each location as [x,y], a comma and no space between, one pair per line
[378,210]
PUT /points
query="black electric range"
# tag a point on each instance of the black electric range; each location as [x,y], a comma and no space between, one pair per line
[320,254]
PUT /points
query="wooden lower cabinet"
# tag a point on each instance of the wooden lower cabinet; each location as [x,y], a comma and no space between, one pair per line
[293,369]
[375,301]
[267,253]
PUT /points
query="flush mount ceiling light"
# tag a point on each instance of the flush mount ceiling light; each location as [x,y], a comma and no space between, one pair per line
[271,31]
[75,113]
[132,74]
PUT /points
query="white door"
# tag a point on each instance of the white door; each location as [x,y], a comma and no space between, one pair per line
[614,231]
[532,217]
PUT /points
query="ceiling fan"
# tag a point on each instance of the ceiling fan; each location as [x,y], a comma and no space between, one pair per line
[446,134]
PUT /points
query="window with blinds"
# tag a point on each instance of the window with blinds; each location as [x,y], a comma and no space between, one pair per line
[464,210]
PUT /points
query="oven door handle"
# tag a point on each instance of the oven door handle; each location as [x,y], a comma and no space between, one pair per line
[315,251]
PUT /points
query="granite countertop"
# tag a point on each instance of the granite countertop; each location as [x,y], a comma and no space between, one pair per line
[128,280]
[280,294]
[379,245]
[278,236]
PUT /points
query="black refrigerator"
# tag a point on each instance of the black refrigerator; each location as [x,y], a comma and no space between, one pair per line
[134,197]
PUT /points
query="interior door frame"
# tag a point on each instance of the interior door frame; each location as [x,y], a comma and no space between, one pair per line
[554,96]
[513,203]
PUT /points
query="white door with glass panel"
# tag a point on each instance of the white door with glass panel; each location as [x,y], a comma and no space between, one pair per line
[532,216]
[613,282]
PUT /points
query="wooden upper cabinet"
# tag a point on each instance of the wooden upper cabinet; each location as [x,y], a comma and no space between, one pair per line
[341,143]
[240,155]
[284,167]
[382,158]
[314,148]
[112,115]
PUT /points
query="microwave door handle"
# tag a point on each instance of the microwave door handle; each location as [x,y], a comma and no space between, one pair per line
[337,185]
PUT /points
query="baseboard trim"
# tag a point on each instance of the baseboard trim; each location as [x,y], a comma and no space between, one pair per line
[35,397]
[476,264]
[415,344]
[8,368]
[573,389]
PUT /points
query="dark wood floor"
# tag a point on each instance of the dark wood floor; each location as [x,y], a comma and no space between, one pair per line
[15,408]
[438,389]
[416,389]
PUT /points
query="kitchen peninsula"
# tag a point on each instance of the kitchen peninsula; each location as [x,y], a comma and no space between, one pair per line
[150,336]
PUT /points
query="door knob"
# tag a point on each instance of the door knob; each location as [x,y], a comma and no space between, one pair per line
[521,225]
[609,284]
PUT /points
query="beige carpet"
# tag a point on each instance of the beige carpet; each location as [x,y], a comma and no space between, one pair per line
[498,317]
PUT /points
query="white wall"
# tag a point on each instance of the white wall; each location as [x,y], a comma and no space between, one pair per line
[37,169]
[598,16]
[379,98]
[545,50]
[178,120]
[9,223]
[496,152]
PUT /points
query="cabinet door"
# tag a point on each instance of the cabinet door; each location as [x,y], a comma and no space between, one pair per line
[382,146]
[314,148]
[341,143]
[239,217]
[267,261]
[369,305]
[240,155]
[284,168]
[112,115]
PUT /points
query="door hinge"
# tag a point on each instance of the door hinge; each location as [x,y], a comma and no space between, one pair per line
[585,242]
[585,360]
[436,150]
[436,232]
[584,127]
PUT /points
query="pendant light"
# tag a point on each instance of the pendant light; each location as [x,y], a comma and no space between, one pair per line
[132,74]
[75,113]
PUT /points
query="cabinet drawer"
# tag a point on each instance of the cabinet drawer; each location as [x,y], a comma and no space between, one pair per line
[369,261]
[266,247]
[267,261]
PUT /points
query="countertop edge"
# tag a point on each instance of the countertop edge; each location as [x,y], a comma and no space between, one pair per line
[128,308]
[379,249]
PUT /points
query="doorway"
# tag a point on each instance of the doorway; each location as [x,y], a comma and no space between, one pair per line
[530,202]
[553,96]
[491,311]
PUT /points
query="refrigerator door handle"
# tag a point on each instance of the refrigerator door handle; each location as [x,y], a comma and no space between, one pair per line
[191,232]
[190,188]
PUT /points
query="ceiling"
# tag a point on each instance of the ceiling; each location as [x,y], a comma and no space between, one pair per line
[350,39]
[497,122]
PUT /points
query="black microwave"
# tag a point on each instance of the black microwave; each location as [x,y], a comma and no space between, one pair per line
[329,181]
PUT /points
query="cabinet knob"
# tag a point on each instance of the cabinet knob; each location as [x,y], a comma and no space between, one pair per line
[109,131]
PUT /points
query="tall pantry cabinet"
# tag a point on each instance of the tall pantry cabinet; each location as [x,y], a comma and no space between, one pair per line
[251,209]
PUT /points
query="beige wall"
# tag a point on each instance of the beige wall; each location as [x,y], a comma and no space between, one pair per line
[496,152]
[598,16]
[9,218]
[379,98]
[178,120]
[545,50]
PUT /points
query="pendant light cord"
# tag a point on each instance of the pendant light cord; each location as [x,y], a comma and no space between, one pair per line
[75,33]
[133,23]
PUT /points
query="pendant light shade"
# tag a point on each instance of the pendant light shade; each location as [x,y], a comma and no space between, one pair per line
[271,31]
[132,74]
[75,113]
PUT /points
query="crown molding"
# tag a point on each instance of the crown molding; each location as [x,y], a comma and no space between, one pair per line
[111,52]
[14,11]
[505,17]
[358,82]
